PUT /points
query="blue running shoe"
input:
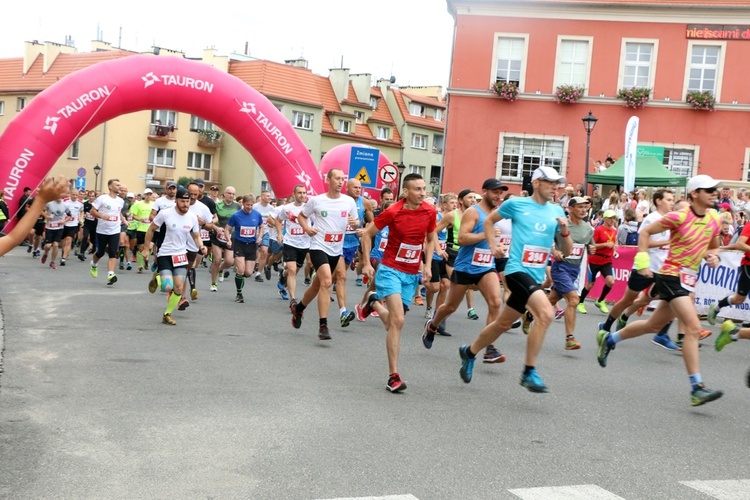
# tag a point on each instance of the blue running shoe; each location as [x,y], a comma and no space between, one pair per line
[533,382]
[283,294]
[280,286]
[601,325]
[604,347]
[663,340]
[467,363]
[702,395]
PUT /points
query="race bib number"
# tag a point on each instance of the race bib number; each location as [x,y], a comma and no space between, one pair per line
[383,244]
[482,257]
[221,236]
[247,232]
[505,240]
[179,260]
[688,279]
[409,254]
[333,237]
[205,235]
[534,256]
[577,252]
[113,218]
[297,231]
[350,229]
[88,216]
[442,245]
[54,225]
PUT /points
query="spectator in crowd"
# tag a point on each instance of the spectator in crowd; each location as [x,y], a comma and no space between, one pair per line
[608,162]
[598,166]
[741,203]
[611,202]
[627,233]
[596,200]
[570,192]
[727,228]
[621,206]
[524,194]
[726,197]
[642,205]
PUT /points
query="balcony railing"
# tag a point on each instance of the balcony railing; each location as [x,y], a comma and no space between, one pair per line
[159,132]
[209,138]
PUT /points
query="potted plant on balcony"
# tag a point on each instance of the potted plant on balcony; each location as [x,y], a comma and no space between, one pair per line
[568,94]
[209,136]
[506,90]
[634,97]
[703,101]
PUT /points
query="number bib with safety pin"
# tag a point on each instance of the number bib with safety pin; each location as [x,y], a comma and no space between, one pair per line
[534,256]
[55,225]
[482,257]
[297,231]
[113,218]
[688,279]
[408,254]
[247,232]
[577,252]
[442,245]
[205,236]
[383,244]
[179,260]
[333,237]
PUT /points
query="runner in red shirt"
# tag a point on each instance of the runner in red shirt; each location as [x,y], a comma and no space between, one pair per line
[605,239]
[411,222]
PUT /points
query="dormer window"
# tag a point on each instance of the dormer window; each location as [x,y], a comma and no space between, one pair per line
[374,102]
[416,109]
[439,115]
[383,133]
[345,126]
[359,117]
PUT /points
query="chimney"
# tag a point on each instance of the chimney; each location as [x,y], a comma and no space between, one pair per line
[339,78]
[362,84]
[31,51]
[297,63]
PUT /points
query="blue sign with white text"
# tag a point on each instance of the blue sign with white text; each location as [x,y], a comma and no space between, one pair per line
[80,183]
[363,166]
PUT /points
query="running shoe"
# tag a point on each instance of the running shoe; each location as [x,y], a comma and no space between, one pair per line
[471,314]
[279,285]
[52,265]
[267,272]
[428,335]
[602,306]
[604,348]
[167,320]
[44,258]
[239,298]
[122,266]
[418,300]
[282,278]
[259,278]
[153,267]
[214,288]
[559,313]
[153,284]
[702,395]
[283,294]
[492,355]
[193,294]
[663,340]
[395,384]
[81,257]
[526,323]
[111,279]
[346,318]
[358,311]
[128,266]
[296,316]
[601,326]
[516,323]
[621,323]
[62,262]
[571,344]
[306,282]
[713,312]
[441,330]
[533,382]
[728,328]
[467,363]
[323,333]
[28,250]
[704,334]
[221,278]
[94,271]
[183,304]
[428,313]
[225,274]
[375,314]
[367,308]
[423,291]
[358,282]
[640,310]
[581,308]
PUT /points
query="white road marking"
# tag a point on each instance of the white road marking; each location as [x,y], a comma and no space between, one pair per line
[735,489]
[387,497]
[578,492]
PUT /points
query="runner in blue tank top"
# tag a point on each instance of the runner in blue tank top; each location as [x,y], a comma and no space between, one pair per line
[439,283]
[474,266]
[535,222]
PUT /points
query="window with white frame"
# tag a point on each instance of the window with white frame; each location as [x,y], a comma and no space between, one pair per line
[704,68]
[439,115]
[416,169]
[522,155]
[383,133]
[20,103]
[161,157]
[345,126]
[416,109]
[437,143]
[198,123]
[374,102]
[74,149]
[510,52]
[359,117]
[302,120]
[573,62]
[200,161]
[419,141]
[164,117]
[2,108]
[679,161]
[637,67]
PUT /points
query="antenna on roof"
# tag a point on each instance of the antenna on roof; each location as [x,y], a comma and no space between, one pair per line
[342,62]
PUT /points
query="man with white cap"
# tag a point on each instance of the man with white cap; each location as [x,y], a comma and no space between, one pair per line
[605,240]
[694,237]
[536,220]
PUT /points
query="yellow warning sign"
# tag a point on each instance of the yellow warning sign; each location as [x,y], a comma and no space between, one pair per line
[363,176]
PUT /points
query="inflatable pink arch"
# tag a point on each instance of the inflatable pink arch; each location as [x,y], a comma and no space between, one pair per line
[70,108]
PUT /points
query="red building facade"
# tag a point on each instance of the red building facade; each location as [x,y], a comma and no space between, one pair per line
[670,48]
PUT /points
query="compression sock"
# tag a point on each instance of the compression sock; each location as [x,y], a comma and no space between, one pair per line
[665,329]
[584,293]
[605,291]
[724,302]
[239,282]
[172,302]
[191,277]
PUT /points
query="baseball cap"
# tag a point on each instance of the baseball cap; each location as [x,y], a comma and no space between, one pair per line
[609,213]
[547,174]
[145,191]
[129,195]
[182,193]
[200,182]
[464,193]
[578,199]
[701,182]
[171,184]
[493,183]
[214,188]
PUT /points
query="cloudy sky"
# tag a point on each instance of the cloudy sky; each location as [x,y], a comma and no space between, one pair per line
[408,39]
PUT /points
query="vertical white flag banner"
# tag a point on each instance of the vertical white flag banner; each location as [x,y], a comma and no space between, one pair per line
[631,147]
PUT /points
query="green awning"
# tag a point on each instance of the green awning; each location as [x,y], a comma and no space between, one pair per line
[649,171]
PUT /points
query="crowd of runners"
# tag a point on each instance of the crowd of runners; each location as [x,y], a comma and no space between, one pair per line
[523,254]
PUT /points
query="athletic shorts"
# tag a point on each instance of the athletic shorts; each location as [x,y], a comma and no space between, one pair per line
[294,254]
[467,279]
[500,264]
[638,283]
[595,269]
[39,228]
[451,262]
[165,264]
[439,271]
[70,231]
[521,287]
[264,242]
[743,285]
[109,243]
[192,255]
[319,257]
[565,277]
[131,233]
[349,254]
[53,235]
[247,251]
[389,281]
[669,287]
[140,237]
[216,241]
[123,227]
[274,248]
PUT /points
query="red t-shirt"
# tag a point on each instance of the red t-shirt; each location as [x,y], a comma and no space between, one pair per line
[407,231]
[603,234]
[746,233]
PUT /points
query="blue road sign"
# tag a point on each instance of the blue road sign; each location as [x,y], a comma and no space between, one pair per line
[363,166]
[80,183]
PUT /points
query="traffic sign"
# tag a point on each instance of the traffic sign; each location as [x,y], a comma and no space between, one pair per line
[80,182]
[81,172]
[388,173]
[363,166]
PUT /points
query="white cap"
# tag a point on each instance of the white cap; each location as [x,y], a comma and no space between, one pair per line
[147,191]
[701,182]
[547,174]
[130,195]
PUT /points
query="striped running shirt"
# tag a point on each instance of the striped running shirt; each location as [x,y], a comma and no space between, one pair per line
[689,240]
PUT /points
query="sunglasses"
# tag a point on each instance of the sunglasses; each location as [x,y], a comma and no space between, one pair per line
[708,190]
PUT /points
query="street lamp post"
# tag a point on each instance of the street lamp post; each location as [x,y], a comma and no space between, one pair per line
[589,122]
[97,170]
[401,168]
